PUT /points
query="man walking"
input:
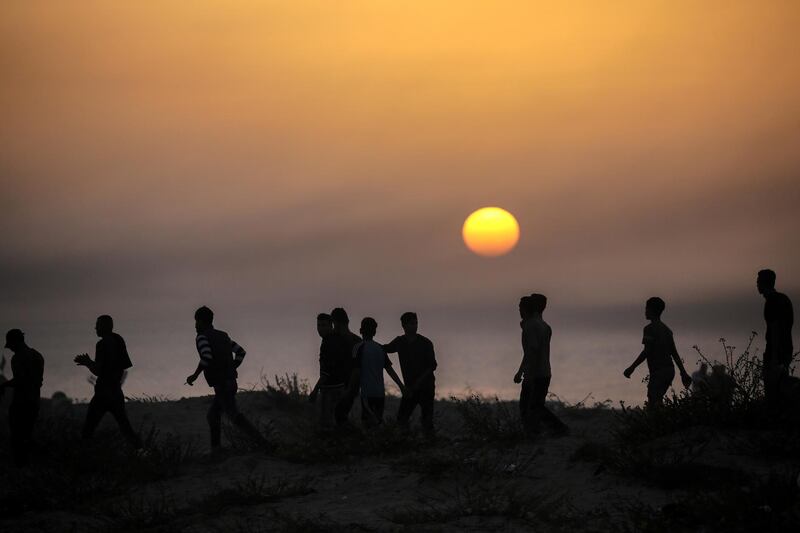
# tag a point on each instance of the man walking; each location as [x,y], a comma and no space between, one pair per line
[370,362]
[334,370]
[110,362]
[534,370]
[659,352]
[341,327]
[417,363]
[220,356]
[779,316]
[27,366]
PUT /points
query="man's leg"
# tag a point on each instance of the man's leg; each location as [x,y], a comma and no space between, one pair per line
[117,410]
[407,405]
[658,386]
[343,408]
[367,414]
[426,401]
[525,407]
[329,399]
[94,414]
[376,404]
[542,385]
[538,394]
[238,419]
[16,425]
[214,417]
[772,377]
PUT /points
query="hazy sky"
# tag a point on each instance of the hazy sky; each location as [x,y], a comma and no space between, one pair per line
[274,159]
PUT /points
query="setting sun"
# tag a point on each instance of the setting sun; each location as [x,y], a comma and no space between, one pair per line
[490,231]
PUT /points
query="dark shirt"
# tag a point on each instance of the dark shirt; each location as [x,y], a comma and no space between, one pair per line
[659,346]
[351,341]
[779,315]
[111,360]
[416,357]
[28,368]
[335,361]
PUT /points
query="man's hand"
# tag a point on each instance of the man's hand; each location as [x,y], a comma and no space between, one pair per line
[518,377]
[686,379]
[83,359]
[191,379]
[627,372]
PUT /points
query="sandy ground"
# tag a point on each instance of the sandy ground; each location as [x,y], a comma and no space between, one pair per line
[413,488]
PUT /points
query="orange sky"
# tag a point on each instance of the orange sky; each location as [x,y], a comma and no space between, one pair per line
[626,137]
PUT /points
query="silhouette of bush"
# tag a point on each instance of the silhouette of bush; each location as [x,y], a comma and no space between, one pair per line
[286,391]
[488,420]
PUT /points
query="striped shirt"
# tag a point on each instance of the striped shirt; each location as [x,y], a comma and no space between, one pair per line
[219,355]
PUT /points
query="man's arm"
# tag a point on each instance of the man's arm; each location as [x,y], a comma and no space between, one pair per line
[685,377]
[529,347]
[238,353]
[321,382]
[84,360]
[392,346]
[639,360]
[392,374]
[204,350]
[194,375]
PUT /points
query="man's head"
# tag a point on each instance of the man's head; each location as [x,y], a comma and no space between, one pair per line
[765,281]
[525,307]
[409,322]
[369,327]
[15,339]
[340,319]
[324,324]
[203,319]
[654,307]
[104,325]
[538,302]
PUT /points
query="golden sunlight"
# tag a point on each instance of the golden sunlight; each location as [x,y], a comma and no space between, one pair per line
[490,231]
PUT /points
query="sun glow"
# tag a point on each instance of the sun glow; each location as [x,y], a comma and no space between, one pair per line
[490,231]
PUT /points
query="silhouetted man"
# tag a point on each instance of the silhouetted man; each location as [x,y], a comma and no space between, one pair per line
[341,326]
[220,356]
[779,316]
[111,359]
[371,361]
[534,370]
[27,366]
[334,371]
[659,352]
[417,363]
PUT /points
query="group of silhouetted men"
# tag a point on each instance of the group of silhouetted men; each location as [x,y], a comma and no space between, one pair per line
[352,366]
